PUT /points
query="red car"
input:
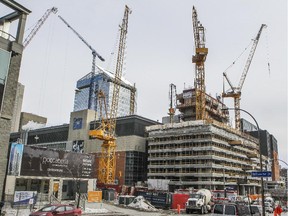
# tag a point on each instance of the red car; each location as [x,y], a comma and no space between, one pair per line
[58,209]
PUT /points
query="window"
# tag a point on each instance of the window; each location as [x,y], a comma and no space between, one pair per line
[230,210]
[61,209]
[69,208]
[218,209]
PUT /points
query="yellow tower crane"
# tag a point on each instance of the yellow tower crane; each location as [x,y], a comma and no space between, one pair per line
[199,60]
[235,92]
[106,130]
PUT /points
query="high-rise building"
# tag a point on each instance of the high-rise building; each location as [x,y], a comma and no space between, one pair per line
[104,80]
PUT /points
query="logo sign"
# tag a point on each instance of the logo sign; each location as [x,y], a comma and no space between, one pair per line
[261,174]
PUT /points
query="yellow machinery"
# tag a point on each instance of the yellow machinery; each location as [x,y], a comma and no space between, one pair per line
[199,60]
[235,92]
[106,130]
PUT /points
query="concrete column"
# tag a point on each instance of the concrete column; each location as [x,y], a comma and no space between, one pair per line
[28,184]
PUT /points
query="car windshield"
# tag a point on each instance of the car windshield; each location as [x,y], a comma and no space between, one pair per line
[218,209]
[197,196]
[254,209]
[48,208]
[230,210]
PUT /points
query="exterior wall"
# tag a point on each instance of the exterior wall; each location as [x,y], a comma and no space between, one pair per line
[10,185]
[198,154]
[26,117]
[17,108]
[79,127]
[126,143]
[9,94]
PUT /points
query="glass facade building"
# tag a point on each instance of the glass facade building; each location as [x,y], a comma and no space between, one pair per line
[103,80]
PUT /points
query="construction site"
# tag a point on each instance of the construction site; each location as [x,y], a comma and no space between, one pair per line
[201,149]
[195,147]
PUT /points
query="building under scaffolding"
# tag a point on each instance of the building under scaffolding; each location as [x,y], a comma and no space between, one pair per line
[213,107]
[203,154]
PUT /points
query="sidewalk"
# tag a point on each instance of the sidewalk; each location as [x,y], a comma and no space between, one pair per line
[90,209]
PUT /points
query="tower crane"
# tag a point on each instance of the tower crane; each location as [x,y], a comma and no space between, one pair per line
[235,92]
[91,100]
[106,130]
[199,59]
[172,100]
[38,25]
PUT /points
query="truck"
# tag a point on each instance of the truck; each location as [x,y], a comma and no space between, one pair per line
[199,202]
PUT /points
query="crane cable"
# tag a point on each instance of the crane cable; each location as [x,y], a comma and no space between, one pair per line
[45,68]
[238,57]
[267,54]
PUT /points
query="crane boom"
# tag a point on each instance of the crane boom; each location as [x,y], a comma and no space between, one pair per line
[94,53]
[38,25]
[199,60]
[250,57]
[119,68]
[236,91]
[92,97]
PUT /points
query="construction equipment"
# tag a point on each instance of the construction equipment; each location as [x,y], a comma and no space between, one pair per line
[199,60]
[106,130]
[92,96]
[235,92]
[132,109]
[38,25]
[173,101]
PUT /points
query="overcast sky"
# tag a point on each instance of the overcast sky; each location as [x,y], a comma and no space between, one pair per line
[160,45]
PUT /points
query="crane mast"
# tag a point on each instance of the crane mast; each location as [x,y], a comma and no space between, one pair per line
[236,91]
[199,60]
[106,130]
[38,25]
[173,101]
[91,100]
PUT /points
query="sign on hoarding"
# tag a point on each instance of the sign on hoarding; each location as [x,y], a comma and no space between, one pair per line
[15,158]
[24,197]
[56,163]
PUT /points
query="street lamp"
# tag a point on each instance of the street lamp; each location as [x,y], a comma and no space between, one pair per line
[261,166]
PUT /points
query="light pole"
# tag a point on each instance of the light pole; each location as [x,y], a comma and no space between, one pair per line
[261,165]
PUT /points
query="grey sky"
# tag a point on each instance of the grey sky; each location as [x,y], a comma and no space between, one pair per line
[159,49]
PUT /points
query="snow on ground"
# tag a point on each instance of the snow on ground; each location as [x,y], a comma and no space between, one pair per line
[140,203]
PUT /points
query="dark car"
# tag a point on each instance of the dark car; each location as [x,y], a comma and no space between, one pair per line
[256,210]
[230,209]
[59,209]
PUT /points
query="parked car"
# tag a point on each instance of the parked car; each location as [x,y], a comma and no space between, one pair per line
[230,209]
[256,210]
[268,207]
[58,209]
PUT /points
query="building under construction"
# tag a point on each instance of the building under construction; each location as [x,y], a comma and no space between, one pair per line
[202,150]
[202,153]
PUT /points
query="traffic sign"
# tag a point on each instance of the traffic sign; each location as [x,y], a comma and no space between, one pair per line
[262,174]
